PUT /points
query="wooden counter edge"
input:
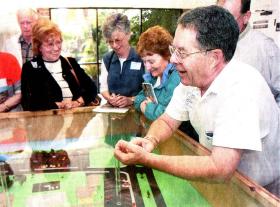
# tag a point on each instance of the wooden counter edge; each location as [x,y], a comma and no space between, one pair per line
[249,186]
[21,114]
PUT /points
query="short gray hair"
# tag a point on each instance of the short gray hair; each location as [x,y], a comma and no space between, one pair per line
[115,22]
[27,12]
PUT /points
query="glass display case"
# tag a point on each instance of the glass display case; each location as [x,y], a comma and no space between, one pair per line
[65,158]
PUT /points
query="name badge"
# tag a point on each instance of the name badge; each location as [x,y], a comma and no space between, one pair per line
[209,135]
[135,65]
[209,139]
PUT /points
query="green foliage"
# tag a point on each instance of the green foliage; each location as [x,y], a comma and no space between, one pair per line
[166,18]
[135,30]
[83,44]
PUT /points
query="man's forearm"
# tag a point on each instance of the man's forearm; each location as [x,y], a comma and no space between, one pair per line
[162,128]
[188,167]
[11,102]
[219,166]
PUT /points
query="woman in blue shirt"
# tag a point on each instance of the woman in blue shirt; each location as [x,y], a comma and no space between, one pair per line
[153,47]
[122,68]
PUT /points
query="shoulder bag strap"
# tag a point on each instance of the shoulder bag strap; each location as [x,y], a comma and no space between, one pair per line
[97,100]
[73,71]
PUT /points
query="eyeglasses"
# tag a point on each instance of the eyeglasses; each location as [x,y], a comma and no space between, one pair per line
[181,55]
[52,45]
[116,41]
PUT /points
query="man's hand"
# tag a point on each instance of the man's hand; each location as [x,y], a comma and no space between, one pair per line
[131,152]
[147,144]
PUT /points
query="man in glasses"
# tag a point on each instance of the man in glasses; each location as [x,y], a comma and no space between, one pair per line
[255,48]
[228,103]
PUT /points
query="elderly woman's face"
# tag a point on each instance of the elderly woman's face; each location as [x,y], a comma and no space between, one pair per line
[51,48]
[119,42]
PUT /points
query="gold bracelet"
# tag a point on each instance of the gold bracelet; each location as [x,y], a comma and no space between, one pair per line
[153,139]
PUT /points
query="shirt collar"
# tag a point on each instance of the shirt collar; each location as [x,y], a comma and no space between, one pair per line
[220,81]
[169,68]
[131,55]
[21,40]
[245,31]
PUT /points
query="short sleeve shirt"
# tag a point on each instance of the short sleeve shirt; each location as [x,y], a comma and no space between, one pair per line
[237,111]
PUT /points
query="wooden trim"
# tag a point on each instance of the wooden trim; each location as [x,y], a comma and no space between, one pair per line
[83,109]
[245,183]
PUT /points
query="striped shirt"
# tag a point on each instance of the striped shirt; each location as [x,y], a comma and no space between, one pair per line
[56,71]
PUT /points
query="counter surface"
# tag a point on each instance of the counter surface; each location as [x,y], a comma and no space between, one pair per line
[65,158]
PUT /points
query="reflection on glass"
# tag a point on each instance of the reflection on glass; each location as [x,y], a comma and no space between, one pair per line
[6,181]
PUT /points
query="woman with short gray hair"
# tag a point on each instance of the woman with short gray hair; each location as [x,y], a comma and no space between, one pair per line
[122,68]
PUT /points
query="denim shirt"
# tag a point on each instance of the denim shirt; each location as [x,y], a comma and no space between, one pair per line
[126,82]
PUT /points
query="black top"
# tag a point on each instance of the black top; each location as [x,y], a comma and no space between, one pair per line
[40,91]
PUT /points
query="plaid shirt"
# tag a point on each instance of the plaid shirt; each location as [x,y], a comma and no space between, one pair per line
[26,50]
